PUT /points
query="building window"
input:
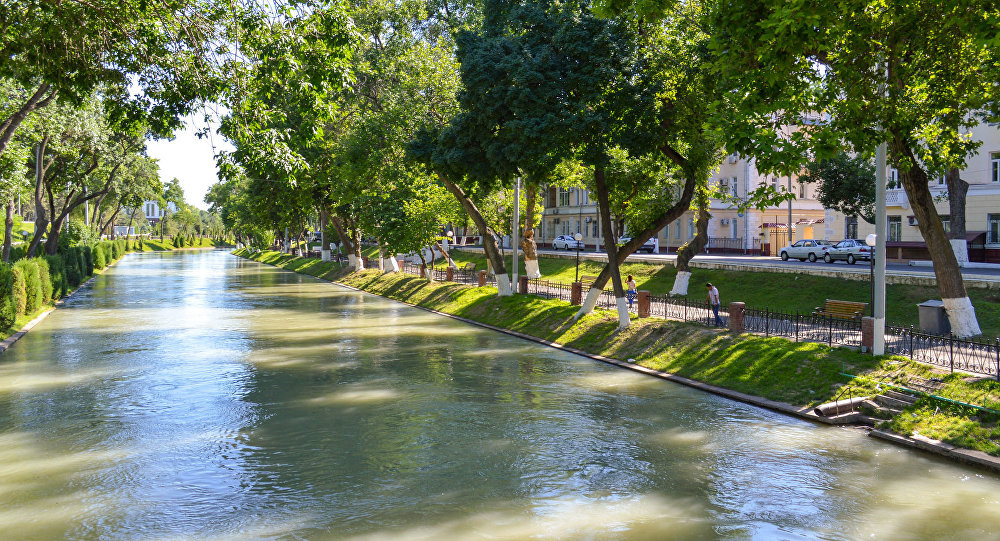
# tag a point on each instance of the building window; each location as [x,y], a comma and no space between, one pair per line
[941,179]
[851,227]
[735,191]
[677,230]
[895,228]
[802,190]
[946,222]
[595,229]
[993,228]
[893,180]
[995,166]
[690,228]
[563,197]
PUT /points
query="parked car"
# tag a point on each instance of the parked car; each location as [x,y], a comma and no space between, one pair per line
[649,246]
[850,250]
[804,249]
[566,242]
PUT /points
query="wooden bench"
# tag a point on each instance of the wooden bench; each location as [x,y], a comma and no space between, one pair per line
[841,309]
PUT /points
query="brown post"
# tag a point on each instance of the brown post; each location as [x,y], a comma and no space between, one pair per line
[364,261]
[423,270]
[643,308]
[522,284]
[737,310]
[482,278]
[868,332]
[449,274]
[576,293]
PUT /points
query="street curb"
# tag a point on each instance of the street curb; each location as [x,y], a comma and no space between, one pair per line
[939,448]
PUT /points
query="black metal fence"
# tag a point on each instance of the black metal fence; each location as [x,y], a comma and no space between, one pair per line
[978,357]
[737,245]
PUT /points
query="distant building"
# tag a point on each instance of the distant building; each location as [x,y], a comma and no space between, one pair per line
[154,213]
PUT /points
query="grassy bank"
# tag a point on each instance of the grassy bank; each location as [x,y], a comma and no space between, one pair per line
[156,245]
[804,374]
[782,292]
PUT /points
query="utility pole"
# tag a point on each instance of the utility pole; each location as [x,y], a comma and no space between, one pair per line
[516,232]
[878,344]
[790,237]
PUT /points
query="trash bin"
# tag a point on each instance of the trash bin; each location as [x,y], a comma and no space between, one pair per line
[933,317]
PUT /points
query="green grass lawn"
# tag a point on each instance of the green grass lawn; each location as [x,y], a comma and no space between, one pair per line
[780,292]
[804,374]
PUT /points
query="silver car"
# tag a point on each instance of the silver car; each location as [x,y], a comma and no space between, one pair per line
[804,249]
[850,250]
[566,242]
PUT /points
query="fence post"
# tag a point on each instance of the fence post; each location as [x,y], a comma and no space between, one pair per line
[868,332]
[951,350]
[522,284]
[997,347]
[576,293]
[482,278]
[796,325]
[449,274]
[685,309]
[829,325]
[767,322]
[737,312]
[911,343]
[642,310]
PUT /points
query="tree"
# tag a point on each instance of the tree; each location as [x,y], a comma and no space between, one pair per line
[915,75]
[846,184]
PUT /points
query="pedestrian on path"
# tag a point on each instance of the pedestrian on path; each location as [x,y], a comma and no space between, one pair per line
[713,299]
[630,292]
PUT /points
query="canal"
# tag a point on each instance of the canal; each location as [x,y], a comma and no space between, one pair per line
[196,395]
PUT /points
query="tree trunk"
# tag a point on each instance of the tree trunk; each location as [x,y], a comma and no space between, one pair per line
[8,227]
[669,215]
[958,189]
[323,222]
[611,247]
[961,313]
[354,252]
[381,254]
[493,254]
[693,247]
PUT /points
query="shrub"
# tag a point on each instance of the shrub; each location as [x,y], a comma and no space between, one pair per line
[57,272]
[8,303]
[88,257]
[45,277]
[19,290]
[100,261]
[119,249]
[32,285]
[81,261]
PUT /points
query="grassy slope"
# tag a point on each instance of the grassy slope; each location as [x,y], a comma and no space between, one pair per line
[156,245]
[773,368]
[782,292]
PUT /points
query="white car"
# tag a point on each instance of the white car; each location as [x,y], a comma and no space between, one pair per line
[804,249]
[566,242]
[649,246]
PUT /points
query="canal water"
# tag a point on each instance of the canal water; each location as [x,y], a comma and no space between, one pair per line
[200,396]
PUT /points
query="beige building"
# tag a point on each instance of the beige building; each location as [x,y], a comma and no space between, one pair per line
[982,213]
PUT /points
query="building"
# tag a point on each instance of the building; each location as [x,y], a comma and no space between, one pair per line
[572,210]
[154,213]
[982,213]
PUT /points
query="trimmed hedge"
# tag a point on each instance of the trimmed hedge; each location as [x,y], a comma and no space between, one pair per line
[8,302]
[32,283]
[18,290]
[71,263]
[45,277]
[57,273]
[88,255]
[100,260]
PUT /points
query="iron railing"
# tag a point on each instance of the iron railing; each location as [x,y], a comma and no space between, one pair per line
[976,356]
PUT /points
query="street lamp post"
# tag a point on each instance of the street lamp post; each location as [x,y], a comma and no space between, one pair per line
[578,237]
[871,240]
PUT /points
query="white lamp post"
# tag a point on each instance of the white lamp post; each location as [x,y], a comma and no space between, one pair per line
[871,240]
[578,237]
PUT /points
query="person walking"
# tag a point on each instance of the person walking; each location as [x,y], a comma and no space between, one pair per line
[630,291]
[713,299]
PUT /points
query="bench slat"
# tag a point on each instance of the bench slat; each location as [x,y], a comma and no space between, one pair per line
[841,309]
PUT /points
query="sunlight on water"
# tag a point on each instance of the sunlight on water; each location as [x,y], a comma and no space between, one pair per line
[199,396]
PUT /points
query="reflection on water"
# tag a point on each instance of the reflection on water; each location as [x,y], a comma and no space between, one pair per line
[197,395]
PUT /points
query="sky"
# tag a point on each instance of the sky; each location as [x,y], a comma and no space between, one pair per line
[191,160]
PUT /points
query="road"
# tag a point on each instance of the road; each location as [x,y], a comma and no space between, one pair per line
[757,262]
